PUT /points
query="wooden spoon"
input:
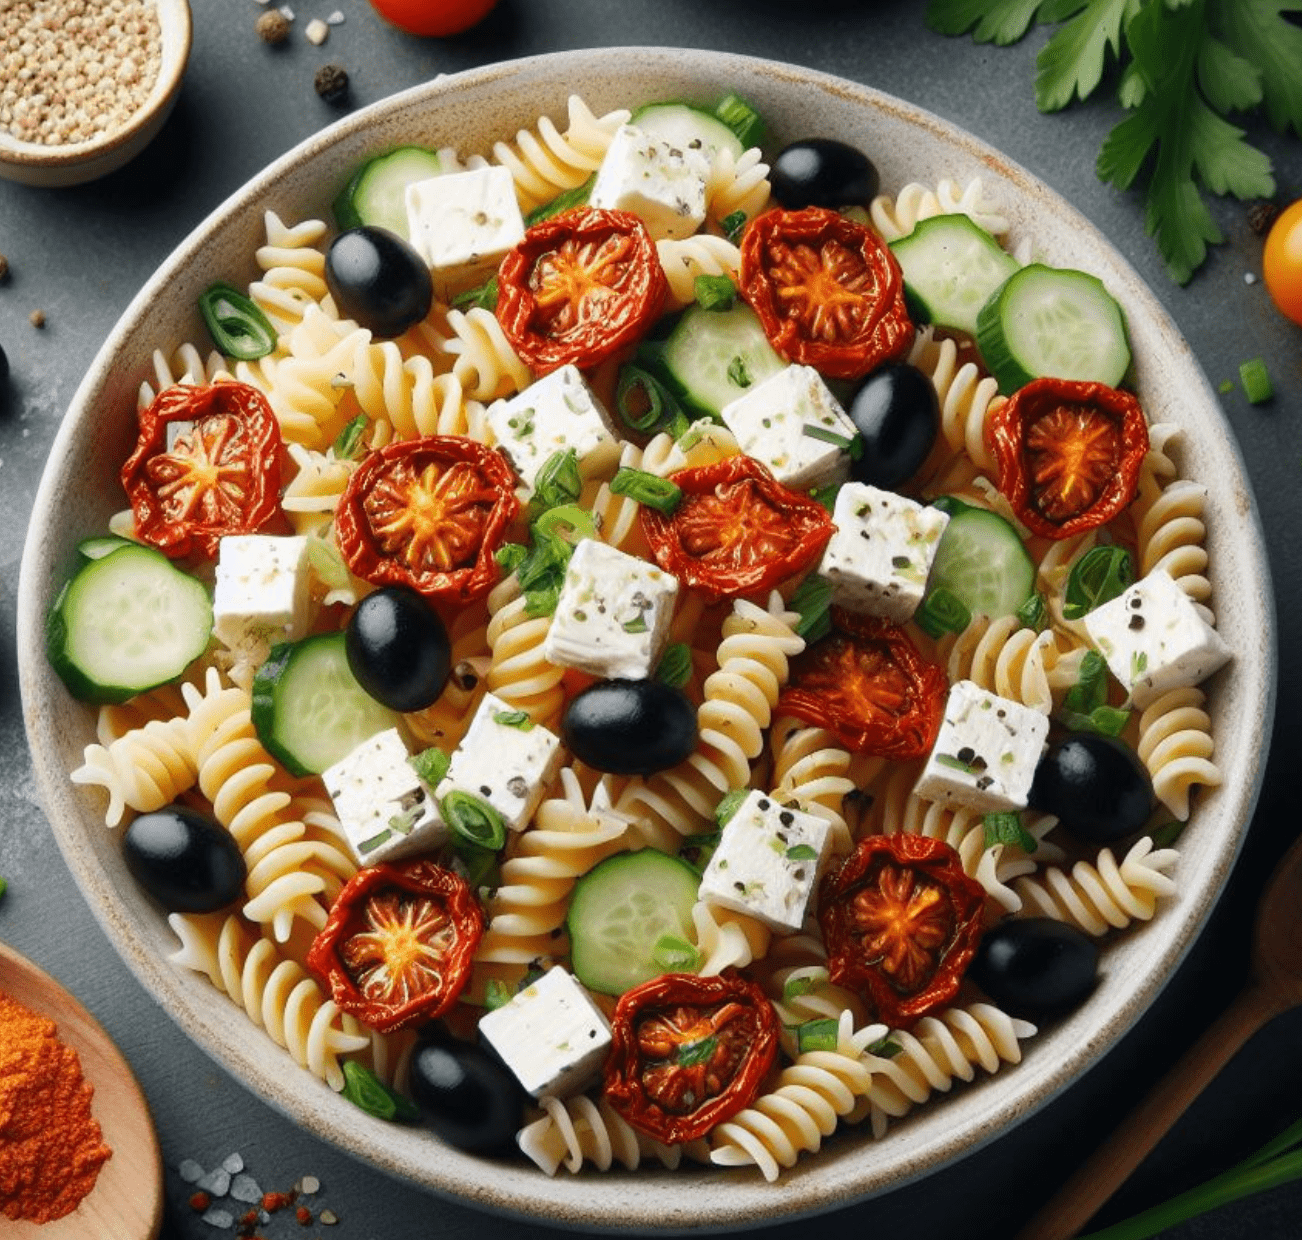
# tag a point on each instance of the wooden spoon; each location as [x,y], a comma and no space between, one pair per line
[127,1200]
[1274,986]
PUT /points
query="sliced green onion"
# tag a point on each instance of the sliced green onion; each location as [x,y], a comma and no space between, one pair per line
[1256,381]
[350,443]
[644,403]
[575,197]
[367,1092]
[431,765]
[481,297]
[1034,613]
[558,482]
[714,292]
[887,1048]
[848,443]
[813,600]
[473,819]
[672,954]
[1005,827]
[730,804]
[817,1035]
[675,667]
[568,522]
[1167,834]
[497,994]
[238,328]
[941,612]
[742,118]
[794,987]
[1099,576]
[733,225]
[649,489]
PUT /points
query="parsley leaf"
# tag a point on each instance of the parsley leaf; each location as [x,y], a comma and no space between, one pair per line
[996,21]
[1071,63]
[1257,31]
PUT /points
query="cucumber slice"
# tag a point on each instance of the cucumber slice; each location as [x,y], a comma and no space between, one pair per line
[309,710]
[714,356]
[97,548]
[951,267]
[1053,321]
[377,191]
[619,912]
[687,126]
[127,621]
[981,560]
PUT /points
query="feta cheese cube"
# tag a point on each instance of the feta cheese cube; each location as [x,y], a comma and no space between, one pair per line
[1154,639]
[555,414]
[261,595]
[504,759]
[986,752]
[551,1035]
[792,424]
[384,807]
[613,615]
[767,862]
[462,224]
[879,558]
[663,185]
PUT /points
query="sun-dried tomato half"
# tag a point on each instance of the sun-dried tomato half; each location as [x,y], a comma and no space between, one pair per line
[428,513]
[688,1052]
[827,290]
[206,464]
[901,920]
[399,942]
[736,530]
[580,287]
[866,683]
[1068,453]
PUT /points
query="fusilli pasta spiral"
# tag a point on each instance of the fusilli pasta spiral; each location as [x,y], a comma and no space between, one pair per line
[1175,744]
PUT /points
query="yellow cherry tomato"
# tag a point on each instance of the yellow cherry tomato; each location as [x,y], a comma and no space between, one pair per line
[433,17]
[1282,262]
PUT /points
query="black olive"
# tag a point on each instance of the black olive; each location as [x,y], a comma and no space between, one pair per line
[630,727]
[465,1094]
[184,860]
[376,278]
[822,172]
[1095,785]
[1036,967]
[398,648]
[898,417]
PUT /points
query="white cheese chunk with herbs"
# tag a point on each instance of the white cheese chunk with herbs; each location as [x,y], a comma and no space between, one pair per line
[795,426]
[504,759]
[613,615]
[551,1035]
[385,808]
[557,413]
[463,224]
[986,752]
[766,863]
[663,185]
[880,555]
[1154,638]
[261,595]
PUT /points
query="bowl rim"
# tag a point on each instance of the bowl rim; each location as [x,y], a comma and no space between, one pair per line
[651,1200]
[176,36]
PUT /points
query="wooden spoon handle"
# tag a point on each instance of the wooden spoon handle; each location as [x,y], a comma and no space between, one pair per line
[1077,1201]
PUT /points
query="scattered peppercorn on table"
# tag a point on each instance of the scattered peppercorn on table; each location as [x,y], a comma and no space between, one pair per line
[76,257]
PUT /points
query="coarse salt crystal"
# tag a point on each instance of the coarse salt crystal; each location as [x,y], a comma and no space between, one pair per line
[288,12]
[316,31]
[190,1171]
[216,1182]
[245,1188]
[233,1163]
[308,1185]
[217,1217]
[1249,278]
[335,19]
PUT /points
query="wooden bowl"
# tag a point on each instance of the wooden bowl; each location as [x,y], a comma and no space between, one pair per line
[80,491]
[33,163]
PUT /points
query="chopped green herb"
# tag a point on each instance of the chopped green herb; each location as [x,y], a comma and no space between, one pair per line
[568,522]
[481,297]
[1256,381]
[714,292]
[648,489]
[1225,386]
[513,719]
[575,197]
[431,765]
[497,994]
[742,118]
[737,372]
[726,808]
[813,601]
[636,625]
[675,667]
[1006,828]
[1034,613]
[693,1053]
[801,852]
[955,764]
[672,954]
[350,443]
[847,442]
[826,496]
[887,1048]
[473,819]
[1167,834]
[817,1035]
[941,612]
[366,1091]
[1138,664]
[1100,575]
[558,482]
[733,225]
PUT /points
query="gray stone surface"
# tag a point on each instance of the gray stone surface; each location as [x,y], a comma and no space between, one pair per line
[78,255]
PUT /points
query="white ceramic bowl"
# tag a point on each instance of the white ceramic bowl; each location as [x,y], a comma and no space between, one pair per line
[80,491]
[74,163]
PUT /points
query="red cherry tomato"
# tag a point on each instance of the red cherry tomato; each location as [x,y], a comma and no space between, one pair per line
[433,17]
[1282,262]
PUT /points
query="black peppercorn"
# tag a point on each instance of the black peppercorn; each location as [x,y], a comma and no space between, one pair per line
[331,83]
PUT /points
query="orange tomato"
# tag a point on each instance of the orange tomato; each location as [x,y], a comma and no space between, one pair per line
[1282,262]
[433,17]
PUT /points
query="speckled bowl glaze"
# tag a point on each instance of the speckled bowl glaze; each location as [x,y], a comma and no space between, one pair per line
[469,111]
[74,163]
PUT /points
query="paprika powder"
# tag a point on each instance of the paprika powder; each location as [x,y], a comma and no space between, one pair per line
[51,1149]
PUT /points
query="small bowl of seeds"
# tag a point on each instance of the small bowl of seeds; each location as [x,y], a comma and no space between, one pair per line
[85,84]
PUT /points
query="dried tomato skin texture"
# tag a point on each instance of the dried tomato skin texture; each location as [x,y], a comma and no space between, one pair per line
[901,921]
[776,533]
[236,439]
[1049,410]
[470,490]
[387,900]
[868,685]
[656,1093]
[579,288]
[827,289]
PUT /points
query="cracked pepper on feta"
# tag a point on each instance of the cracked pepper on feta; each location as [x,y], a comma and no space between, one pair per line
[262,593]
[879,557]
[793,425]
[613,615]
[1154,639]
[767,862]
[663,185]
[986,752]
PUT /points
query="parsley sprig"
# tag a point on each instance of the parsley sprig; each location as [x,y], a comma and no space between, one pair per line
[1184,66]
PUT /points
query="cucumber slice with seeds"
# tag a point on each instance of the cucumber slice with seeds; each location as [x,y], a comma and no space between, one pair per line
[982,561]
[377,192]
[689,127]
[714,356]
